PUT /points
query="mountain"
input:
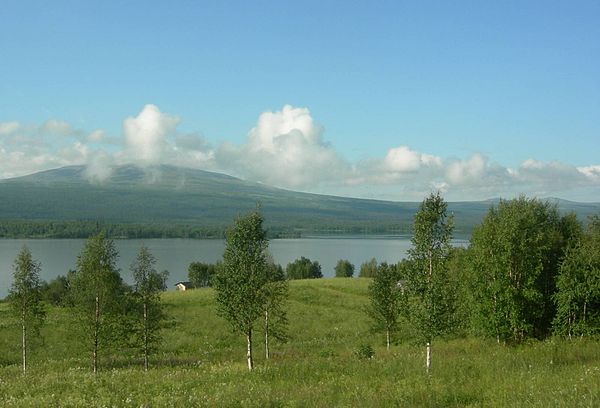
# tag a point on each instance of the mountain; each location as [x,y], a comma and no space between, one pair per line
[171,196]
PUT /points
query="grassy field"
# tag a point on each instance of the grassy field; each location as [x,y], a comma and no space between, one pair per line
[201,363]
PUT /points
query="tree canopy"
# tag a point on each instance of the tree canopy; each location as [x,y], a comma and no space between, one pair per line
[344,269]
[303,268]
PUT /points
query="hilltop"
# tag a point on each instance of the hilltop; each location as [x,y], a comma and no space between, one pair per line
[169,197]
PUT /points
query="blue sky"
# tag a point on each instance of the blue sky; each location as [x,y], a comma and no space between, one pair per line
[372,99]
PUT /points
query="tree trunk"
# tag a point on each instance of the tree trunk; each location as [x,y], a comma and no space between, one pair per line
[24,340]
[387,339]
[430,265]
[145,336]
[267,333]
[96,324]
[570,322]
[428,364]
[249,353]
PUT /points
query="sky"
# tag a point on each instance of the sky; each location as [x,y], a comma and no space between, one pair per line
[378,99]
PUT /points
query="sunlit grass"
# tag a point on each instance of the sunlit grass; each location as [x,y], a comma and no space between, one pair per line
[202,363]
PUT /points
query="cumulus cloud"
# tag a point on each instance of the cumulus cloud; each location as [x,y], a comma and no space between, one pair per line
[146,134]
[468,171]
[402,159]
[592,172]
[284,149]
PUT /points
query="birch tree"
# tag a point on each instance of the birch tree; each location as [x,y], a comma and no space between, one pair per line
[431,308]
[387,300]
[25,297]
[239,282]
[516,252]
[149,310]
[578,295]
[98,294]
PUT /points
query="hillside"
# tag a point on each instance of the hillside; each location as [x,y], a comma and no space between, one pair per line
[202,363]
[171,196]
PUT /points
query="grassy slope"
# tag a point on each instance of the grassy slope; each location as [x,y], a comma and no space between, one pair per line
[202,363]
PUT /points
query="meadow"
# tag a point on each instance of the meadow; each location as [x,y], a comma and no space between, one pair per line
[202,363]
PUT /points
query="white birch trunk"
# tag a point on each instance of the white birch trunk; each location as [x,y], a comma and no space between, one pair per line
[145,336]
[387,339]
[96,324]
[249,353]
[267,334]
[24,341]
[428,356]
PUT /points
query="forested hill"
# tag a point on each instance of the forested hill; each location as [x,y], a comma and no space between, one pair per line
[173,201]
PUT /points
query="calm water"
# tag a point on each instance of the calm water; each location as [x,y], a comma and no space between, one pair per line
[58,256]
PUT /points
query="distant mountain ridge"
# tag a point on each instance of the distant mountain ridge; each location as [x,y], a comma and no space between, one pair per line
[169,195]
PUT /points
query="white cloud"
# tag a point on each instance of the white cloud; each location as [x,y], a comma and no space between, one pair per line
[99,167]
[58,127]
[286,148]
[96,136]
[592,172]
[8,127]
[145,135]
[402,159]
[464,172]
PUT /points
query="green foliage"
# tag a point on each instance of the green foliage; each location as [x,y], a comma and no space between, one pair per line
[149,312]
[303,268]
[516,252]
[578,295]
[57,291]
[431,310]
[364,352]
[99,297]
[239,282]
[276,294]
[201,274]
[368,269]
[460,283]
[25,298]
[387,300]
[344,269]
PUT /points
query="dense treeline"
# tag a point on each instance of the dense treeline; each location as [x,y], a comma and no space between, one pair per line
[87,228]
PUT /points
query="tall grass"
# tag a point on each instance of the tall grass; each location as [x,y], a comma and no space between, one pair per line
[201,363]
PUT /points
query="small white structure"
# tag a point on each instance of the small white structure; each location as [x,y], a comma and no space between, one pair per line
[183,286]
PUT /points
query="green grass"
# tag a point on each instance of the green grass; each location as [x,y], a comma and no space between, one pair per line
[201,363]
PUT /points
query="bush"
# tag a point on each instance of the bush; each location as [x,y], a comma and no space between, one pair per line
[303,268]
[344,269]
[364,352]
[57,291]
[368,269]
[201,274]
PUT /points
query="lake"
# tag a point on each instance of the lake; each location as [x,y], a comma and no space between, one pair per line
[57,256]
